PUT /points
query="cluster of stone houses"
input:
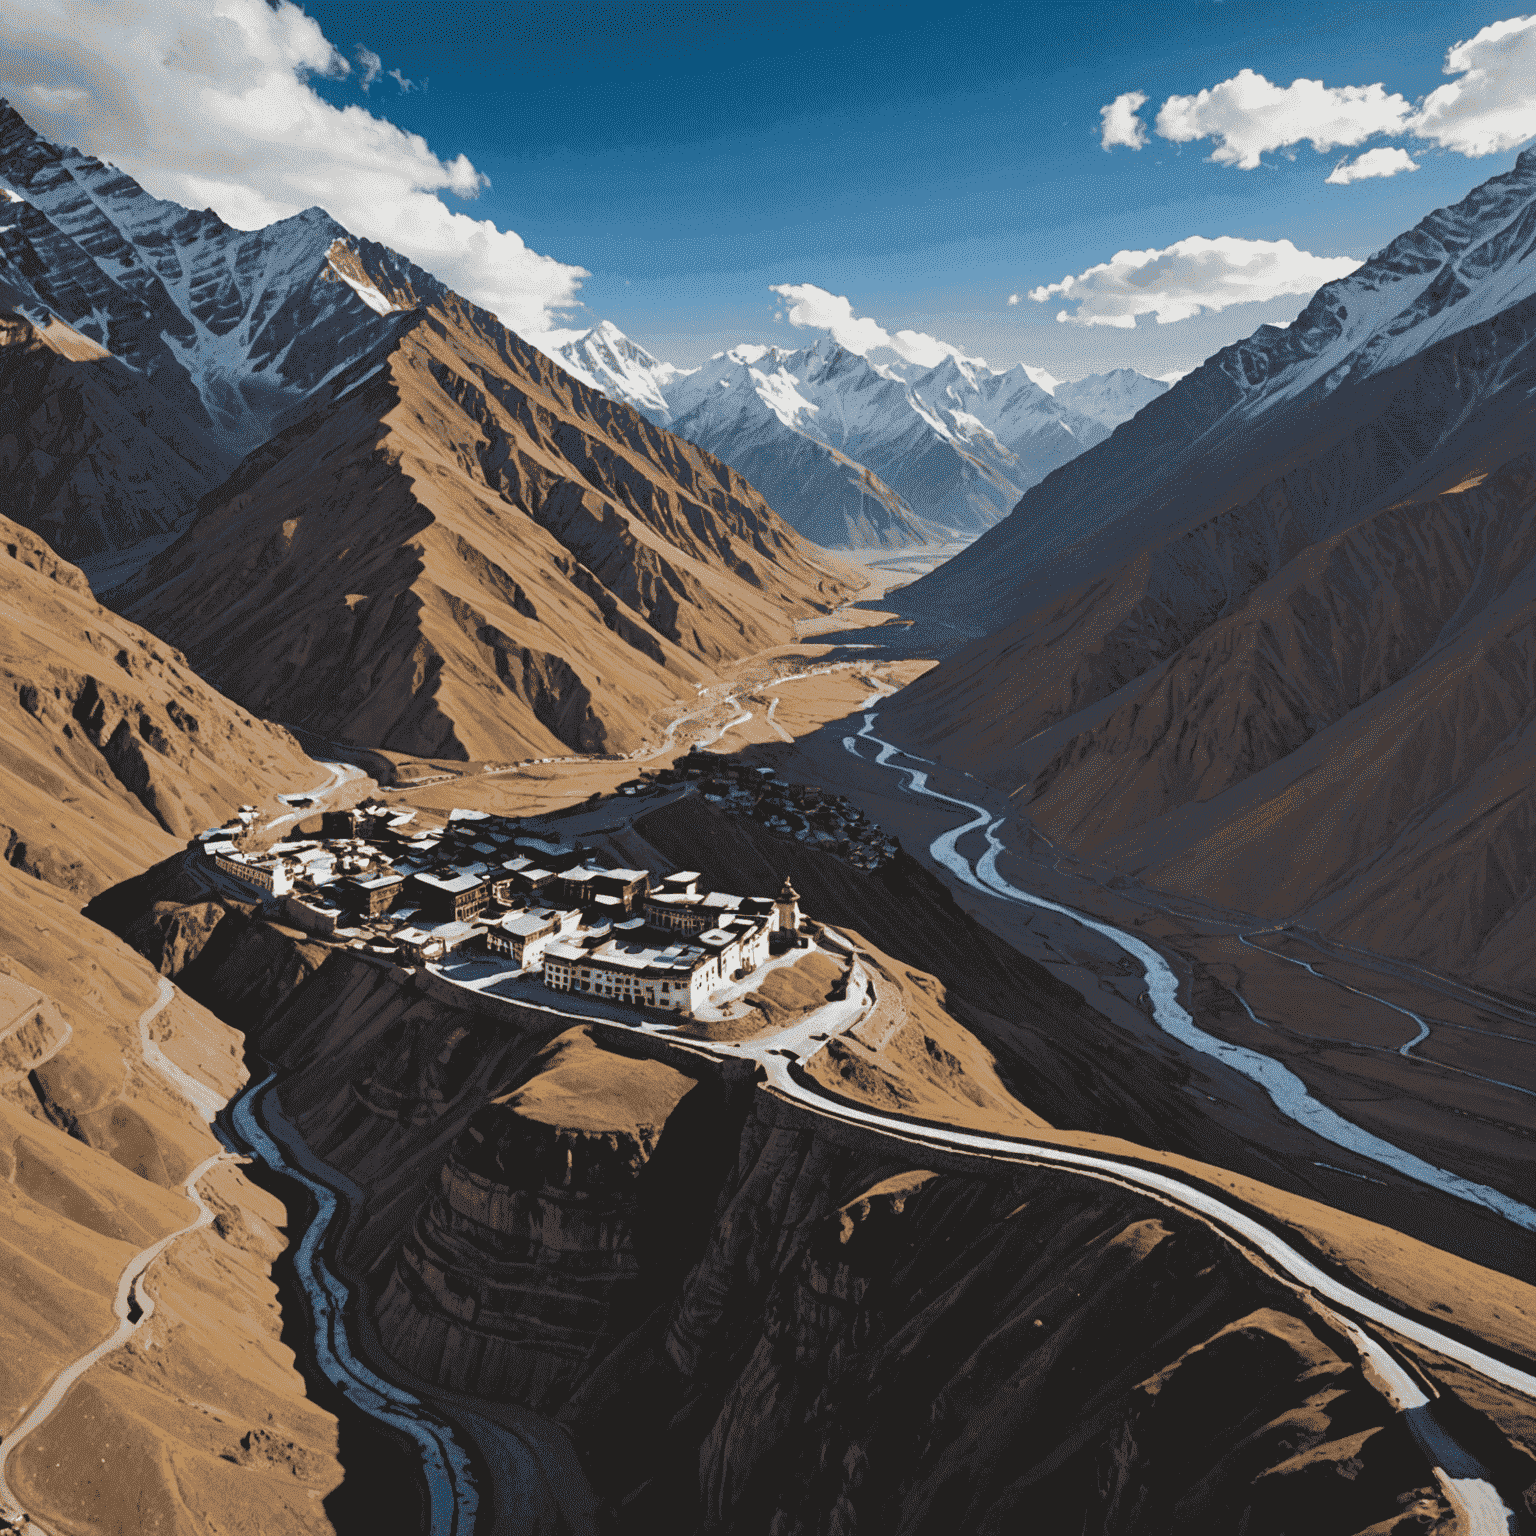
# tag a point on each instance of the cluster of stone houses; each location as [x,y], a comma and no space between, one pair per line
[374,881]
[806,812]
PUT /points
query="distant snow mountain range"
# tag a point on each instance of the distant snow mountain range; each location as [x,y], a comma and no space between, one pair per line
[221,338]
[866,450]
[1377,371]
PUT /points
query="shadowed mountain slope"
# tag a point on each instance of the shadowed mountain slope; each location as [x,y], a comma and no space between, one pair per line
[1294,675]
[1358,742]
[93,457]
[1385,378]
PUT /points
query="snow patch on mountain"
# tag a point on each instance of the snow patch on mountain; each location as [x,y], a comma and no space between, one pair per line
[1110,398]
[1459,267]
[357,280]
[237,328]
[904,450]
[1383,382]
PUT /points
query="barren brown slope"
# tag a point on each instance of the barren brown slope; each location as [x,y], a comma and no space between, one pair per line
[473,556]
[1406,825]
[1355,742]
[112,750]
[199,1421]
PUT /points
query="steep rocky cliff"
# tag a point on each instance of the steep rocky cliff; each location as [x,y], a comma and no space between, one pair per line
[868,1345]
[94,457]
[543,1239]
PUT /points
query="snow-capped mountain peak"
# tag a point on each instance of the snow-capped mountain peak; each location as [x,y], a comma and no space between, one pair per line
[1459,267]
[1110,398]
[605,358]
[237,328]
[957,441]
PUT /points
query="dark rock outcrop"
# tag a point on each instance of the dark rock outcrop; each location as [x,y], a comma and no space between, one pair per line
[916,1352]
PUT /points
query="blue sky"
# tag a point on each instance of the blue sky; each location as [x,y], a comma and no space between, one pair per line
[662,165]
[924,161]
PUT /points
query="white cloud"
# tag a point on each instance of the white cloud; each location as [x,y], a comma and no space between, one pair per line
[1493,106]
[372,66]
[811,307]
[1490,107]
[1248,115]
[1013,298]
[1191,276]
[406,86]
[1120,124]
[1373,163]
[207,102]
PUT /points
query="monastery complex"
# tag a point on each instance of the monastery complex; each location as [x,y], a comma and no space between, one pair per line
[542,908]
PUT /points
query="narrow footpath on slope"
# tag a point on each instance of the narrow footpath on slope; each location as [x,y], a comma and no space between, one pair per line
[134,1303]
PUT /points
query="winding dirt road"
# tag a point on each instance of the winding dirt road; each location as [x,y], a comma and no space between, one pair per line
[134,1303]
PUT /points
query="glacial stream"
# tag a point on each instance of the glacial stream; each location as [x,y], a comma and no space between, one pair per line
[452,1497]
[1286,1090]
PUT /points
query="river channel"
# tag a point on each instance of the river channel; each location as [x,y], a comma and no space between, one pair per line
[1285,1089]
[452,1497]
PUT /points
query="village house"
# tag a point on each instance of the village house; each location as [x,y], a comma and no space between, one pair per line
[653,966]
[369,894]
[525,936]
[417,945]
[455,895]
[544,907]
[313,912]
[268,876]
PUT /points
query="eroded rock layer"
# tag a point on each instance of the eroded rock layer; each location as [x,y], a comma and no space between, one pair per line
[112,749]
[472,555]
[914,1352]
[514,1266]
